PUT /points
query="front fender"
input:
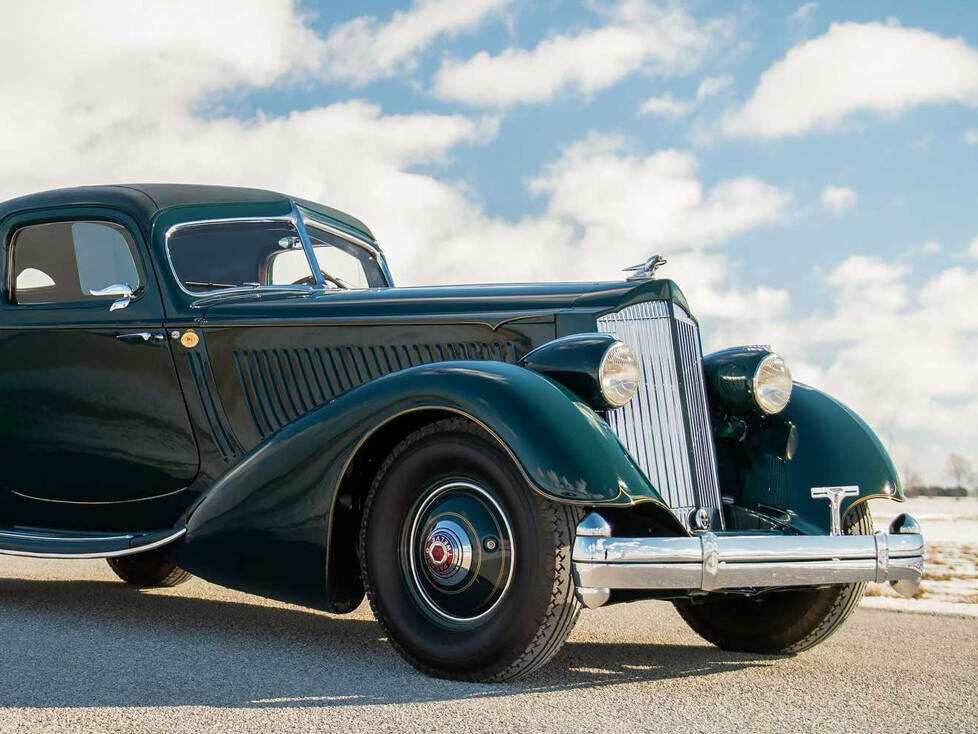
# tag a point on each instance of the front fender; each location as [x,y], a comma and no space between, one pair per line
[263,526]
[834,447]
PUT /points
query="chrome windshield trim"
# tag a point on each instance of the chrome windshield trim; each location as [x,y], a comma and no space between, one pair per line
[202,295]
[300,220]
[299,223]
[316,224]
[311,221]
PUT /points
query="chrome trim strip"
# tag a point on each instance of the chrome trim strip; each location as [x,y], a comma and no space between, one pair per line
[81,539]
[176,535]
[100,502]
[316,224]
[311,259]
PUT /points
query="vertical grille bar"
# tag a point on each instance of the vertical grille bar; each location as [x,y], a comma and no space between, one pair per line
[666,427]
[701,435]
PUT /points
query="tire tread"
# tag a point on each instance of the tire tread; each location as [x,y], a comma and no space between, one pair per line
[846,600]
[553,626]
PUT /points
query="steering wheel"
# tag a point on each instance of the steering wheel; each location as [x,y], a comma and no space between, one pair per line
[311,280]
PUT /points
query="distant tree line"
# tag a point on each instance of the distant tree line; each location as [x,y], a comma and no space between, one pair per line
[959,469]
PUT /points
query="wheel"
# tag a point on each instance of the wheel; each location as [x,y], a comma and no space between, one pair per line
[467,569]
[150,569]
[778,623]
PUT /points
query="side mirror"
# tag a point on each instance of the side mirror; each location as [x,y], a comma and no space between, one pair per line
[116,289]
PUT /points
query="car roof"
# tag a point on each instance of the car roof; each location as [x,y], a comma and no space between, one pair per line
[147,200]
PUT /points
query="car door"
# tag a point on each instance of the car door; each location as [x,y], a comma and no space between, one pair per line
[91,410]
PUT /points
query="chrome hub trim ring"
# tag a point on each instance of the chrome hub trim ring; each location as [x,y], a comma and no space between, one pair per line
[447,553]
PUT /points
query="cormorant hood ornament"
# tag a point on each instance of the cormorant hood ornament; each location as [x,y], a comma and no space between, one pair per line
[646,270]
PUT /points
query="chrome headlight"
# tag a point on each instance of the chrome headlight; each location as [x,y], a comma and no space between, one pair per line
[771,384]
[619,374]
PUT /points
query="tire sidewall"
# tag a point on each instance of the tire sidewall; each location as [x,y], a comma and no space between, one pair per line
[494,641]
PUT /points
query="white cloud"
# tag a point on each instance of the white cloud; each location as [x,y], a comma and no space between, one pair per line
[800,22]
[666,105]
[900,361]
[970,137]
[933,247]
[838,199]
[711,86]
[365,48]
[637,36]
[348,154]
[649,201]
[856,67]
[608,206]
[973,248]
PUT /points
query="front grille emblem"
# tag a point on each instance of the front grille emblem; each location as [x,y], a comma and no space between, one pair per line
[835,495]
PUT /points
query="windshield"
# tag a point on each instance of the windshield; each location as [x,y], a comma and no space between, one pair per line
[345,263]
[213,256]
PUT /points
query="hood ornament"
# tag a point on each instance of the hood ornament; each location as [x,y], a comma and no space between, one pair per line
[646,270]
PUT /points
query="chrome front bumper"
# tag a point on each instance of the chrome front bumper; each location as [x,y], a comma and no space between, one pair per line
[711,562]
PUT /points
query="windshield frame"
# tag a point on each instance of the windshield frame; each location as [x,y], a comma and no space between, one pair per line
[299,220]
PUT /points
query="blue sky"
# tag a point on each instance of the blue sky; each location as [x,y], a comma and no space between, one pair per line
[916,179]
[808,168]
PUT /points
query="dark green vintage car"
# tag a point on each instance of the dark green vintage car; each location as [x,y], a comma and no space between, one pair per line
[225,382]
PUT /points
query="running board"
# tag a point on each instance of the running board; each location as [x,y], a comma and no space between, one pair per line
[47,543]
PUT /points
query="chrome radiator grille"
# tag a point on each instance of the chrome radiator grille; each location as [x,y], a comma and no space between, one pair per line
[666,426]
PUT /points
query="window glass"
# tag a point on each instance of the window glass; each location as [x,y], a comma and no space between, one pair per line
[63,262]
[212,256]
[351,265]
[103,256]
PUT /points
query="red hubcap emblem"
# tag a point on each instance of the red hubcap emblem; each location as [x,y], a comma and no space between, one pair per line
[439,553]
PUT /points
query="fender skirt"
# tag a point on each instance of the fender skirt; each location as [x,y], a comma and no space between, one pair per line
[264,526]
[833,447]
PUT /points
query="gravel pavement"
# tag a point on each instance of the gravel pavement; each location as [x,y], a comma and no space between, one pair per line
[80,651]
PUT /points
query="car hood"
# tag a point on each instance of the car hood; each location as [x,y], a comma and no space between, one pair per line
[521,299]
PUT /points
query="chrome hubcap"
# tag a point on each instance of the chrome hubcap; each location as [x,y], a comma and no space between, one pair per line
[448,553]
[459,551]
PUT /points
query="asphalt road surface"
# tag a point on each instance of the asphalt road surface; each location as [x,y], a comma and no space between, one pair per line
[80,651]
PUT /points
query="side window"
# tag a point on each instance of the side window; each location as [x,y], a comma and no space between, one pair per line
[63,262]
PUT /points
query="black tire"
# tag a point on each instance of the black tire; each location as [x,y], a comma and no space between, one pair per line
[499,637]
[782,622]
[152,569]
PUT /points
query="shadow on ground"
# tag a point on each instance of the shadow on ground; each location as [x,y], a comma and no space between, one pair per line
[92,644]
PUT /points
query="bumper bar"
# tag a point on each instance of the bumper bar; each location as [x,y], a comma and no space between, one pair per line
[712,562]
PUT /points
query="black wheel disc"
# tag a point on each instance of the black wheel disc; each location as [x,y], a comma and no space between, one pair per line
[458,543]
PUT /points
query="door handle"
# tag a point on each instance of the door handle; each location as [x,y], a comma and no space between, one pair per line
[146,336]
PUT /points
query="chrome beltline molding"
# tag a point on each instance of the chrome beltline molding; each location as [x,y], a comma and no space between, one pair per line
[175,535]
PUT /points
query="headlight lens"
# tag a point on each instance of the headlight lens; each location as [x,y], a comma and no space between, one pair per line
[772,384]
[619,374]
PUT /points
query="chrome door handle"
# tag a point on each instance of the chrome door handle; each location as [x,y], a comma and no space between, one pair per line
[146,336]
